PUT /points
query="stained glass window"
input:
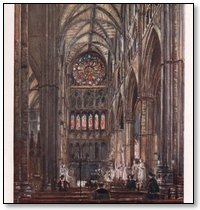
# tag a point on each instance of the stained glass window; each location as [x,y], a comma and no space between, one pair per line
[72,123]
[78,122]
[103,121]
[90,122]
[96,121]
[89,69]
[84,122]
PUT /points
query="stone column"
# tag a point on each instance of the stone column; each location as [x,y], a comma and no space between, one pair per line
[172,88]
[178,87]
[48,102]
[166,94]
[143,129]
[147,141]
[140,33]
[17,97]
[129,142]
[166,86]
[21,138]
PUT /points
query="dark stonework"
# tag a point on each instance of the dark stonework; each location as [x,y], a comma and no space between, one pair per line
[48,102]
[22,184]
[178,74]
[171,93]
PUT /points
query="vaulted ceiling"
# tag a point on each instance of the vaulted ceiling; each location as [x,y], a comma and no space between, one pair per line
[89,27]
[82,27]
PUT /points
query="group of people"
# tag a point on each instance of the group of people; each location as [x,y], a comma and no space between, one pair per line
[136,178]
[152,186]
[133,178]
[136,172]
[139,173]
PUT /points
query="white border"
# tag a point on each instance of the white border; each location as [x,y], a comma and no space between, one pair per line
[188,106]
[8,101]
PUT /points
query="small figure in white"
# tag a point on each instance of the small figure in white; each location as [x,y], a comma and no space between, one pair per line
[62,169]
[141,174]
[107,177]
[124,173]
[112,174]
[134,170]
[120,171]
[67,174]
[122,155]
[159,179]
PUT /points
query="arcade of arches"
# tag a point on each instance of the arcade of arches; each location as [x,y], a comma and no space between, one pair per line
[97,86]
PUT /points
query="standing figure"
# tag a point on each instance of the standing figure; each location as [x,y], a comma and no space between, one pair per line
[67,174]
[107,179]
[63,185]
[134,170]
[152,187]
[62,169]
[141,174]
[131,184]
[122,154]
[112,174]
[124,172]
[120,171]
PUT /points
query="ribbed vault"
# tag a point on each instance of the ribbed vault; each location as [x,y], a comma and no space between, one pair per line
[89,27]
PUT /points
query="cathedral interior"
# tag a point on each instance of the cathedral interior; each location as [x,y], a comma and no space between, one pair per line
[98,96]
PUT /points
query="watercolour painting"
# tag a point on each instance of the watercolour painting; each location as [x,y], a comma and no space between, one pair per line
[99,103]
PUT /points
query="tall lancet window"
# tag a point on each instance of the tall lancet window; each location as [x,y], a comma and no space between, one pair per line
[90,122]
[103,121]
[78,122]
[72,122]
[96,121]
[84,122]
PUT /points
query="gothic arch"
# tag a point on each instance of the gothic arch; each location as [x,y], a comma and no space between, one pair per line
[151,112]
[153,31]
[151,60]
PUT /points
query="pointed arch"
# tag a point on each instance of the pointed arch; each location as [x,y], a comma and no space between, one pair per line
[151,59]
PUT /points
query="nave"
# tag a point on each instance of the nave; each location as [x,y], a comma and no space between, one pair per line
[98,95]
